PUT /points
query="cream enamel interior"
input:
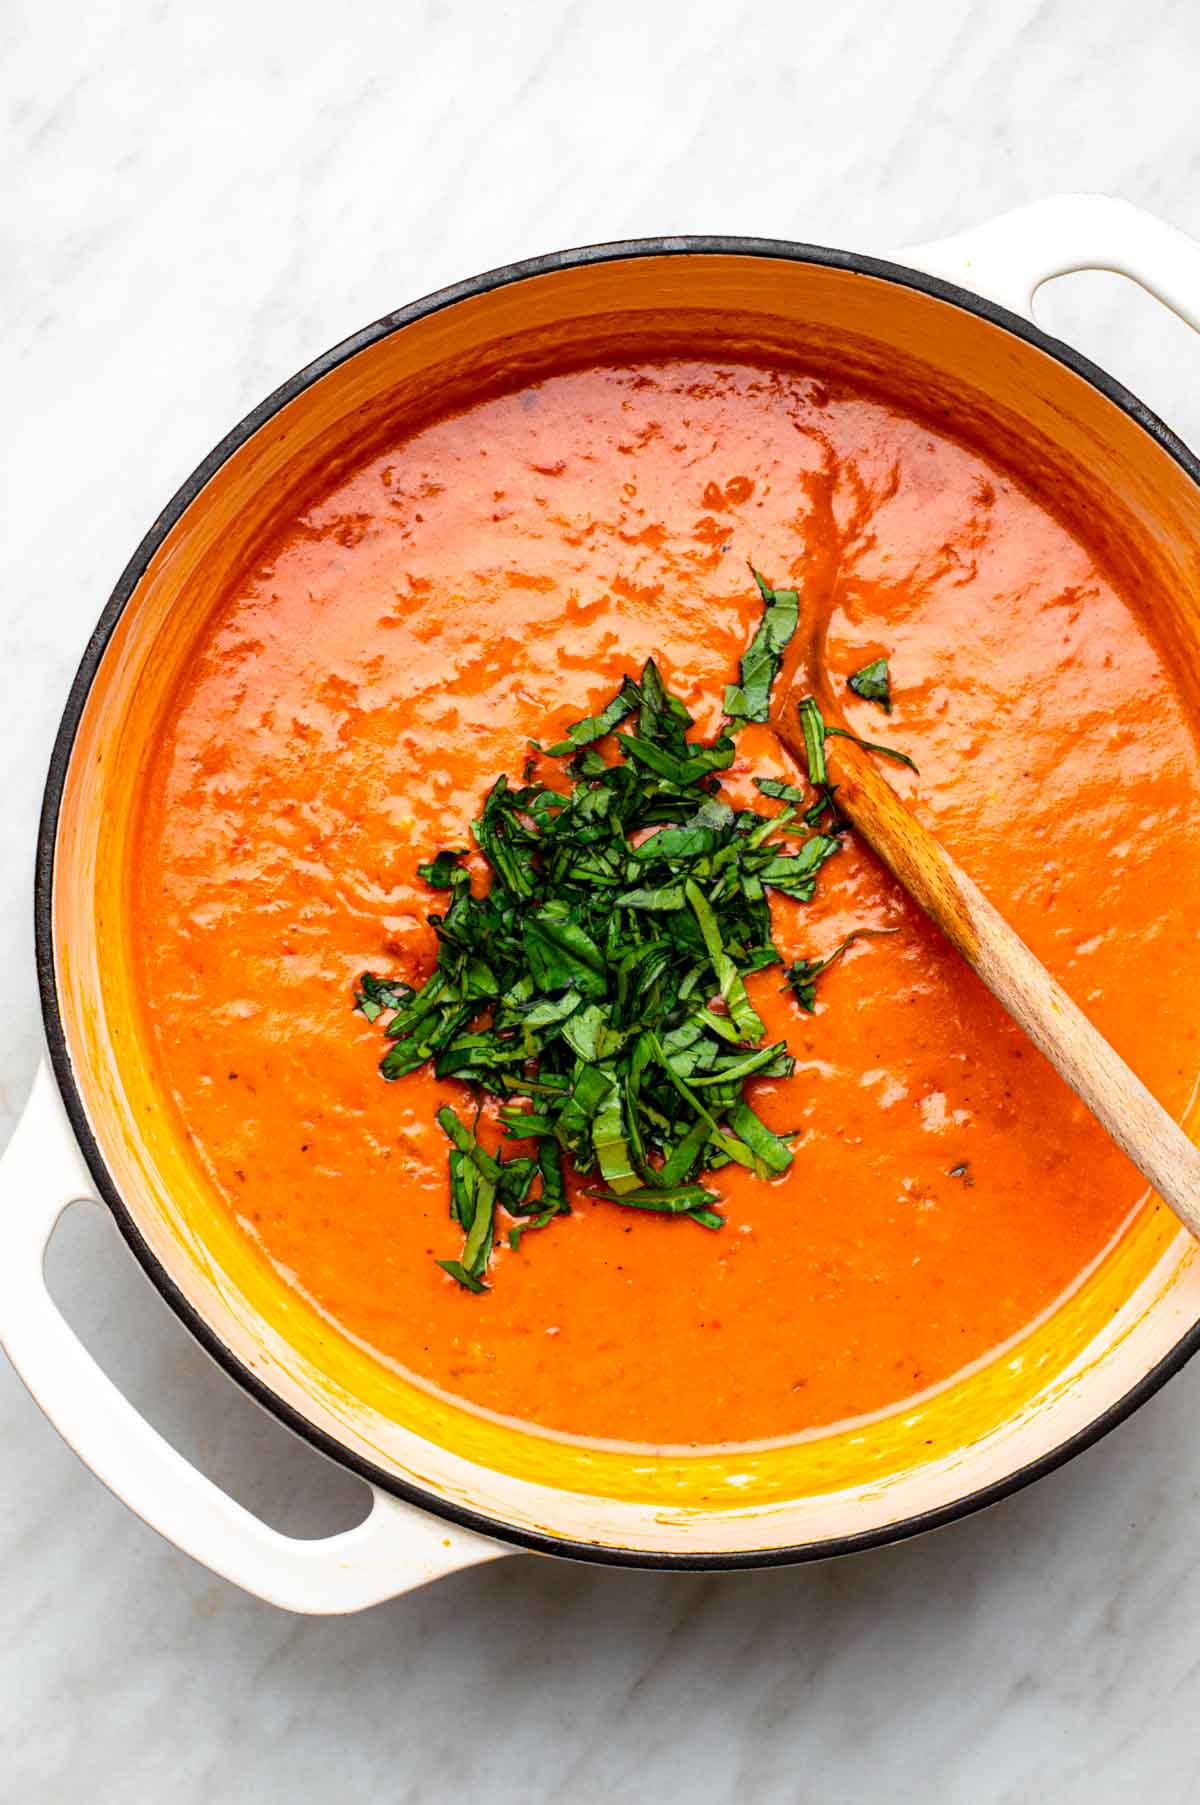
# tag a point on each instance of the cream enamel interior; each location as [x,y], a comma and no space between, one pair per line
[1139,504]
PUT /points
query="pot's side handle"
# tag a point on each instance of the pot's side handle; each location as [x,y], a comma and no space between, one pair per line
[393,1550]
[1007,259]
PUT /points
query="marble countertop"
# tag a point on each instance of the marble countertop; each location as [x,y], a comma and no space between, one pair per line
[197,200]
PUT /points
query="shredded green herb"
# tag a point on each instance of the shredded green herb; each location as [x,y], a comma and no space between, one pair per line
[873,684]
[844,733]
[598,987]
[802,974]
[814,730]
[749,698]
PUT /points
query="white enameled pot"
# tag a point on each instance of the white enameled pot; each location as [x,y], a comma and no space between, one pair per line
[445,1497]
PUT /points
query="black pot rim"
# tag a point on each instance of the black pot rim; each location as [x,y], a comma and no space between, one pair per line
[432,1502]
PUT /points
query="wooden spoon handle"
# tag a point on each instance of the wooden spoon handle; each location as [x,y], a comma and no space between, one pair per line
[1116,1096]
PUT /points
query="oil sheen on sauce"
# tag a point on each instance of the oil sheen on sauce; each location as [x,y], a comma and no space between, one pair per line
[490,580]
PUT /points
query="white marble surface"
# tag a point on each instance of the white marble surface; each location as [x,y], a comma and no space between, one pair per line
[196,199]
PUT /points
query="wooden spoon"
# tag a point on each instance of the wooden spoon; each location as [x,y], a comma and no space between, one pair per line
[1100,1078]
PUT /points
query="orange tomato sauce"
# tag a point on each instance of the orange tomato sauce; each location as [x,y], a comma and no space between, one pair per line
[490,580]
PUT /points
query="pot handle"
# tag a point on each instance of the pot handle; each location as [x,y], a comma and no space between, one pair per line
[1007,259]
[395,1548]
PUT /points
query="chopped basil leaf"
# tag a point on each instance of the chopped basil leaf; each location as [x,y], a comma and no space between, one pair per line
[375,995]
[901,758]
[802,974]
[466,1279]
[598,725]
[873,684]
[782,792]
[749,698]
[445,871]
[814,729]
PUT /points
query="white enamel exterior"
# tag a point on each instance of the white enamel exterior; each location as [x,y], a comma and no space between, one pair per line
[392,1550]
[398,1547]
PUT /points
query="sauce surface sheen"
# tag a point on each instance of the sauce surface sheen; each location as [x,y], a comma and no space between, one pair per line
[489,581]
